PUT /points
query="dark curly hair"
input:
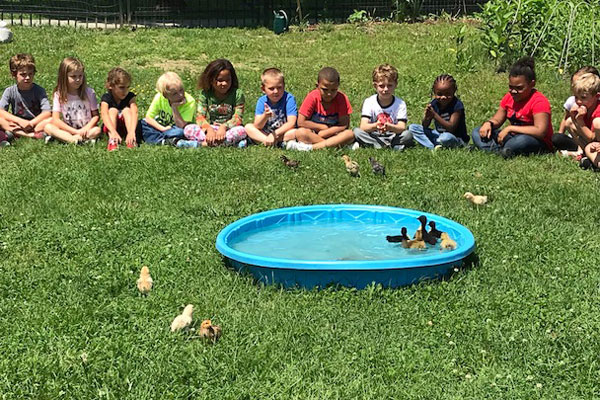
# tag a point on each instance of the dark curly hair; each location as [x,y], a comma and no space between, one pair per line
[213,70]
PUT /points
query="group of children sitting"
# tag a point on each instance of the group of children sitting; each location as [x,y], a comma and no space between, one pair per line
[323,120]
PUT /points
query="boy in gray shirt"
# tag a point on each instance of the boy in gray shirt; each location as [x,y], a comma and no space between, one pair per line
[29,105]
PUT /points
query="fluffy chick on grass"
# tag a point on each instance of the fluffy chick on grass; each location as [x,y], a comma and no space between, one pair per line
[184,320]
[476,199]
[144,283]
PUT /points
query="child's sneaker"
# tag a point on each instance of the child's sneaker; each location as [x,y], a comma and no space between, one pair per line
[4,143]
[40,135]
[191,144]
[355,146]
[112,145]
[585,163]
[9,136]
[130,146]
[294,145]
[48,139]
[399,147]
[242,144]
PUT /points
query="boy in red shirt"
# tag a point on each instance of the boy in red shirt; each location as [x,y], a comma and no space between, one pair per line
[324,116]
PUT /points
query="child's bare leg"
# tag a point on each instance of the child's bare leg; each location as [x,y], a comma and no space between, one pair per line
[290,135]
[94,132]
[130,120]
[61,135]
[342,138]
[309,136]
[255,134]
[594,156]
[41,125]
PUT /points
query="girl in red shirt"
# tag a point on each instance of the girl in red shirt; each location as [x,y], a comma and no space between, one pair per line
[529,114]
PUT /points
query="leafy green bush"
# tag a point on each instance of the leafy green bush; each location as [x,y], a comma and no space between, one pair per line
[562,33]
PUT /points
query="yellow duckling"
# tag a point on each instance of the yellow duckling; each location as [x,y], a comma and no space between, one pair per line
[447,243]
[351,166]
[476,199]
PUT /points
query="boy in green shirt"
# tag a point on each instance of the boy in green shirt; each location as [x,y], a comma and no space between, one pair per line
[170,111]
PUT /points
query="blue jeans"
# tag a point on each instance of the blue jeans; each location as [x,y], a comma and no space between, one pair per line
[430,137]
[154,136]
[514,144]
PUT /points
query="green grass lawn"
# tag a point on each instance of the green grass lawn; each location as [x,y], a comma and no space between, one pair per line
[77,223]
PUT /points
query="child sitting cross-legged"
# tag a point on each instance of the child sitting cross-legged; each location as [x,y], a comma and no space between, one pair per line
[584,121]
[276,113]
[74,106]
[119,110]
[448,115]
[383,117]
[221,105]
[29,105]
[171,109]
[324,115]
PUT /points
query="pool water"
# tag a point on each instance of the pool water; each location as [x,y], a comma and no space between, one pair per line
[329,240]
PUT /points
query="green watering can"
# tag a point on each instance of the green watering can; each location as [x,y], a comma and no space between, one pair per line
[280,22]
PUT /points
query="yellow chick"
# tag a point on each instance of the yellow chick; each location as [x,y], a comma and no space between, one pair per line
[351,166]
[144,283]
[184,320]
[446,242]
[475,199]
[209,331]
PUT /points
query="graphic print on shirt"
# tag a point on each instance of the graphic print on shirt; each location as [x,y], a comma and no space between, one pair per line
[164,118]
[276,121]
[383,118]
[329,120]
[77,113]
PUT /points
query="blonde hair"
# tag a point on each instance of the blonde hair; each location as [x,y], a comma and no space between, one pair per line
[168,80]
[67,65]
[19,61]
[586,84]
[272,73]
[385,71]
[117,75]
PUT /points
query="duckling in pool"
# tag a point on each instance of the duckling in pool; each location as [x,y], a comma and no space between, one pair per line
[447,243]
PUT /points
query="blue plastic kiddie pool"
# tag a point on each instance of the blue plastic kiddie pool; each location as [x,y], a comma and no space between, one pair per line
[339,244]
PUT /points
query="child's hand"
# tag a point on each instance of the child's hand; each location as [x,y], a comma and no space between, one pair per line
[114,136]
[581,112]
[429,111]
[268,111]
[178,103]
[503,133]
[82,132]
[595,147]
[220,137]
[485,130]
[270,140]
[130,139]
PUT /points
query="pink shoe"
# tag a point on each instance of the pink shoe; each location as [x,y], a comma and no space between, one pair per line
[112,145]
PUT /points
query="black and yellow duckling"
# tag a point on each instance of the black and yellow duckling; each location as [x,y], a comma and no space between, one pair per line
[290,163]
[426,236]
[447,243]
[351,166]
[398,238]
[433,231]
[378,169]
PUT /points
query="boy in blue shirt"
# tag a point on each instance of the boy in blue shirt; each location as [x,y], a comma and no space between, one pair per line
[276,112]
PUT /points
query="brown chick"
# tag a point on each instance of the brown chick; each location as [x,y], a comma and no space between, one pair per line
[475,199]
[447,243]
[144,283]
[290,163]
[184,320]
[416,243]
[209,331]
[351,166]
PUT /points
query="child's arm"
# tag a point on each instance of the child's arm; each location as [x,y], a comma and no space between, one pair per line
[290,124]
[305,122]
[450,125]
[154,123]
[396,128]
[537,130]
[108,122]
[179,122]
[261,119]
[238,111]
[342,125]
[42,116]
[367,126]
[486,129]
[578,118]
[21,122]
[563,123]
[83,132]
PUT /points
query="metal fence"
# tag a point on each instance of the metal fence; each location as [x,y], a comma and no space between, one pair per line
[215,13]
